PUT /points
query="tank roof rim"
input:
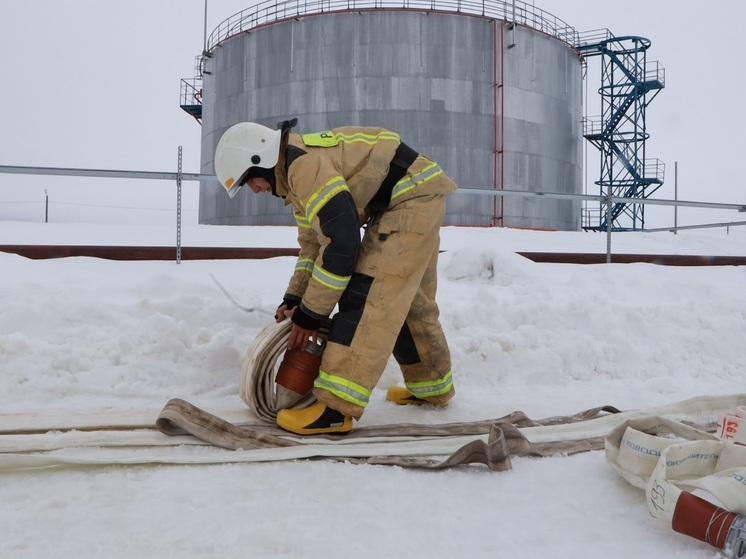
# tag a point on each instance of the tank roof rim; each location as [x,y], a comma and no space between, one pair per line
[271,11]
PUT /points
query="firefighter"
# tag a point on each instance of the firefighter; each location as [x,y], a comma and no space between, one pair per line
[383,285]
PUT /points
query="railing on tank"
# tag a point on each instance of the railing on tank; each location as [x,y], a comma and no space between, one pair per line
[191,97]
[270,10]
[592,38]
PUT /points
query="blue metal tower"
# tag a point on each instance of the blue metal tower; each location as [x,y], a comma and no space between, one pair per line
[628,85]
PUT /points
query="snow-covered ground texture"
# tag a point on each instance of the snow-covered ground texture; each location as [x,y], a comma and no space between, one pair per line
[82,334]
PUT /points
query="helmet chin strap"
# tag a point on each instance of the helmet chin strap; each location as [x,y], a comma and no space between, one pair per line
[284,126]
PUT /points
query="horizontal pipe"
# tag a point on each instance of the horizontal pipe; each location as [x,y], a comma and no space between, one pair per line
[41,252]
[687,227]
[104,173]
[165,175]
[601,198]
[660,259]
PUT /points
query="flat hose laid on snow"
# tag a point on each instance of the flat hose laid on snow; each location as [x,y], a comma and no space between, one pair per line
[105,437]
[503,439]
[489,442]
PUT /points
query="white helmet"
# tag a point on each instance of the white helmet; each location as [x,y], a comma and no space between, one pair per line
[243,146]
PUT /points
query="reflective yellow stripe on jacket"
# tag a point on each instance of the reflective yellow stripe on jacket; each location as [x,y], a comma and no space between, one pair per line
[323,195]
[330,138]
[302,221]
[343,388]
[368,138]
[327,279]
[430,388]
[408,183]
[315,203]
[304,265]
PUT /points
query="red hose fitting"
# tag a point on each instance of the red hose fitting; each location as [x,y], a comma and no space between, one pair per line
[299,368]
[700,519]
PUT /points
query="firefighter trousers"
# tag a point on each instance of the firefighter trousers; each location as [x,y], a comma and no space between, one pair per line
[389,308]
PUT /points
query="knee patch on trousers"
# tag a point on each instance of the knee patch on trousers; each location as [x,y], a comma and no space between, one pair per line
[405,350]
[351,306]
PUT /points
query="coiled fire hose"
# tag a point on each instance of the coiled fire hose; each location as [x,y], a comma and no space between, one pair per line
[257,386]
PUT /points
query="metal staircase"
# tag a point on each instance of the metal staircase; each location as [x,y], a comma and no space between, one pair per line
[628,85]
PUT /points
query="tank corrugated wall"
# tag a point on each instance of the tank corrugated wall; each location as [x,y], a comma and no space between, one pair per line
[492,116]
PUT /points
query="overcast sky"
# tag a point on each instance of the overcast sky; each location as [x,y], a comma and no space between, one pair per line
[95,84]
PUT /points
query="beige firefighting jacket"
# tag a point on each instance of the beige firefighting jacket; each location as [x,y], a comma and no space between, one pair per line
[330,178]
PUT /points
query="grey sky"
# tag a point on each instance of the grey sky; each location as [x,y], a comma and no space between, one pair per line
[95,84]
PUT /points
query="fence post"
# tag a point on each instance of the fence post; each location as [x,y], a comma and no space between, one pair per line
[608,227]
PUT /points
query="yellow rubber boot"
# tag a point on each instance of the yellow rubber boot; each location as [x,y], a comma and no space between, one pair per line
[317,419]
[402,396]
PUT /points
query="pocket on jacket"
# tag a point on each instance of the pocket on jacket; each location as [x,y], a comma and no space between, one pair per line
[403,241]
[404,221]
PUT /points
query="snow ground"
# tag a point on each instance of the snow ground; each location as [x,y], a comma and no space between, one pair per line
[548,339]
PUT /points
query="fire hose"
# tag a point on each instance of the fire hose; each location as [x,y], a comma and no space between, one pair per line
[693,480]
[257,386]
[669,459]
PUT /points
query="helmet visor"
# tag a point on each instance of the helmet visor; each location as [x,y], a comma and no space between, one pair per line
[233,190]
[236,186]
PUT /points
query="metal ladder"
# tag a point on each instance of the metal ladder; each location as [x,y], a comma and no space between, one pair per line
[629,83]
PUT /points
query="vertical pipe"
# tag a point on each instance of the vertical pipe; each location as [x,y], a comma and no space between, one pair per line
[502,123]
[675,196]
[46,207]
[204,41]
[585,214]
[178,210]
[498,207]
[495,133]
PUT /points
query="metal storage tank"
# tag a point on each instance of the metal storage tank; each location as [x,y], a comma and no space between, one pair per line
[491,92]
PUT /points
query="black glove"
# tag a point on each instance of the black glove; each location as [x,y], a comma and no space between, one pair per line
[289,303]
[305,320]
